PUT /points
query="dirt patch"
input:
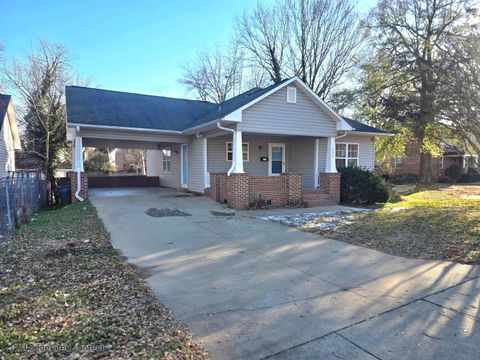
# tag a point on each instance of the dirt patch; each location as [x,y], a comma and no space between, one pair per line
[182,196]
[154,212]
[222,213]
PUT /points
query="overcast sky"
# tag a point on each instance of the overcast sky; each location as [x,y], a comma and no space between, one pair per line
[137,46]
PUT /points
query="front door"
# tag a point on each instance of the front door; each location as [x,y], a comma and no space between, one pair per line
[276,159]
[184,154]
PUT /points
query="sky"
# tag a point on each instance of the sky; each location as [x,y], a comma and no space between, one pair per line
[136,46]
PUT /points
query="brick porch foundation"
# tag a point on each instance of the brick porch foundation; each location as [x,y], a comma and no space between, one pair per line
[330,184]
[241,191]
[73,183]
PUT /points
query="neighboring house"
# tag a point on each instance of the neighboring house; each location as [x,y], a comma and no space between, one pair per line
[9,138]
[235,151]
[410,162]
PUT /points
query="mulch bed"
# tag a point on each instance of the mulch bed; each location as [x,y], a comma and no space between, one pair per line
[64,291]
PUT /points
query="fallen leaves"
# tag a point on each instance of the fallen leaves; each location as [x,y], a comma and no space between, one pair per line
[65,291]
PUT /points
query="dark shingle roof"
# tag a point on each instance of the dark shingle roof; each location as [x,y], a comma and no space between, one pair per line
[113,108]
[92,106]
[361,127]
[4,101]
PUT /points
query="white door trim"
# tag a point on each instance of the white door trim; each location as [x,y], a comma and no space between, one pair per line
[270,146]
[181,165]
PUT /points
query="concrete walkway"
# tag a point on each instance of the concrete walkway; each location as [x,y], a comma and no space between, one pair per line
[252,289]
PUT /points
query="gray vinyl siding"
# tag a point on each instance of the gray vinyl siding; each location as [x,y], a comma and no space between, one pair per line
[366,149]
[171,179]
[258,147]
[302,158]
[274,115]
[196,172]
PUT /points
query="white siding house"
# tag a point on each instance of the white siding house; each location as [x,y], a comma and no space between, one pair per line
[9,139]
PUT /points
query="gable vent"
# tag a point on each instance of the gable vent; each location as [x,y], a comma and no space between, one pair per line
[291,94]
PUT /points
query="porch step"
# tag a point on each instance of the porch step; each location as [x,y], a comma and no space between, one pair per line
[315,197]
[312,191]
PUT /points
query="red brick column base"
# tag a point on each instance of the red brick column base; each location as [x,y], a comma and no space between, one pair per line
[73,183]
[237,191]
[330,184]
[293,188]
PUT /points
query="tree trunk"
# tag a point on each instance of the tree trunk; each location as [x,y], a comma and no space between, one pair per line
[425,176]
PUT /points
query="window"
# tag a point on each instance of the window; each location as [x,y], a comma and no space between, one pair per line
[398,162]
[346,155]
[440,162]
[291,94]
[245,151]
[167,160]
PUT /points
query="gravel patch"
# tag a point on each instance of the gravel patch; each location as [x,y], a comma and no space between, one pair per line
[322,221]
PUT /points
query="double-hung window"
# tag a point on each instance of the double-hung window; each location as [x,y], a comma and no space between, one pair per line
[398,162]
[245,151]
[167,160]
[346,155]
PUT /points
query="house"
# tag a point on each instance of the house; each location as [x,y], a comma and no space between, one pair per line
[9,138]
[410,162]
[281,144]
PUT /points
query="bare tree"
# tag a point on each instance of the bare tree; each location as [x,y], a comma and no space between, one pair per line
[325,39]
[40,82]
[264,34]
[317,40]
[215,76]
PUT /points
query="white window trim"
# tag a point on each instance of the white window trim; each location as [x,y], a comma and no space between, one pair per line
[346,158]
[165,159]
[294,100]
[440,162]
[270,146]
[243,143]
[395,163]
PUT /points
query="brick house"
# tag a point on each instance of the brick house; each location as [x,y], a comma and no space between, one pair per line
[410,163]
[281,144]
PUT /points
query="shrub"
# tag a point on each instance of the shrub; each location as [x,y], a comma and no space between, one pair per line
[454,172]
[361,186]
[399,179]
[469,178]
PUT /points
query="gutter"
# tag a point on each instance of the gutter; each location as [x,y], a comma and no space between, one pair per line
[233,143]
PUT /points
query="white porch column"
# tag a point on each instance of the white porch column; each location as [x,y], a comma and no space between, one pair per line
[315,164]
[237,153]
[78,154]
[331,166]
[205,164]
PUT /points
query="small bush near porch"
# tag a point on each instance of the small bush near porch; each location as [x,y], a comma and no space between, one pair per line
[66,292]
[440,222]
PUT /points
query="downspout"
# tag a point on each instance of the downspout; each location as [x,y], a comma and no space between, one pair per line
[233,141]
[340,136]
[78,156]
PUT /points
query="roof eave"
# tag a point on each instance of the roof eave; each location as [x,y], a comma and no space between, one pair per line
[370,133]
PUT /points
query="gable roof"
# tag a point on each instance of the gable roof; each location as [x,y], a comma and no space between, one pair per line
[98,107]
[364,128]
[4,102]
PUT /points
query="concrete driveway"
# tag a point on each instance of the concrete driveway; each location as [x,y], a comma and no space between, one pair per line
[251,289]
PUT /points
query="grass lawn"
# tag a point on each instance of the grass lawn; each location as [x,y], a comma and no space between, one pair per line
[440,222]
[65,291]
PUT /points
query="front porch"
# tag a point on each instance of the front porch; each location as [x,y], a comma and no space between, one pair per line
[252,170]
